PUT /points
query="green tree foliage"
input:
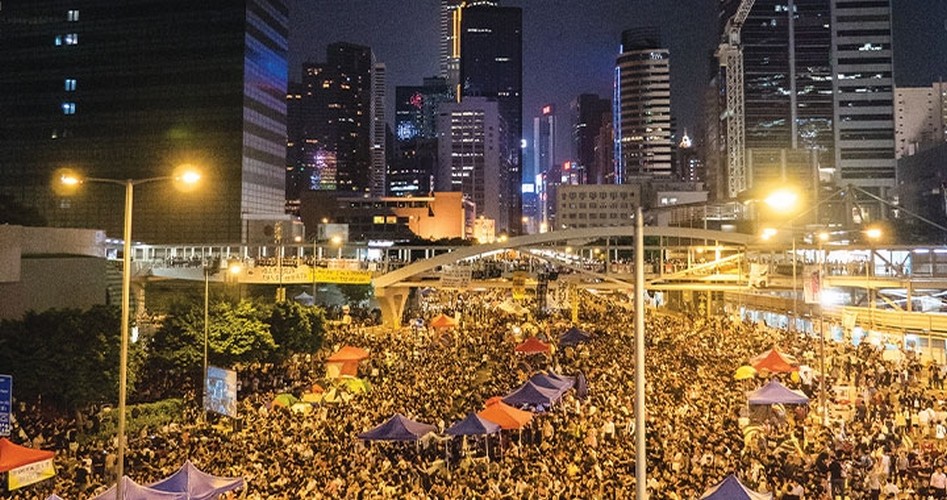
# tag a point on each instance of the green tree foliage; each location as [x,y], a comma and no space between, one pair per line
[68,357]
[238,334]
[176,349]
[296,328]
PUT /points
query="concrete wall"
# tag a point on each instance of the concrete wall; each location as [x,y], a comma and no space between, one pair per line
[54,282]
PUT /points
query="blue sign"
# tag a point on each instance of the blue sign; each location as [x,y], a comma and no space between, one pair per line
[6,404]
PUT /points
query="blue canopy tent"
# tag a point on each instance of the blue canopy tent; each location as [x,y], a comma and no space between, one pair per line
[560,383]
[134,491]
[472,425]
[732,489]
[397,428]
[581,386]
[196,484]
[573,336]
[776,393]
[530,394]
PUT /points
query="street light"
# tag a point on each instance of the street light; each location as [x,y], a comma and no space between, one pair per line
[186,175]
[337,241]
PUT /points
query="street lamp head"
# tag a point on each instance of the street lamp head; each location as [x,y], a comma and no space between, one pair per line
[235,268]
[873,233]
[823,236]
[336,240]
[768,233]
[782,200]
[189,177]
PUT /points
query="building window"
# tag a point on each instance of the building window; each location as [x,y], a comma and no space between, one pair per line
[71,39]
[391,219]
[68,108]
[58,41]
[72,16]
[70,84]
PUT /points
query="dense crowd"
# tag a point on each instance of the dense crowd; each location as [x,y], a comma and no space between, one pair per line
[890,436]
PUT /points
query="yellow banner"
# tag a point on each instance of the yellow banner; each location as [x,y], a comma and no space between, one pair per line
[342,276]
[30,473]
[519,285]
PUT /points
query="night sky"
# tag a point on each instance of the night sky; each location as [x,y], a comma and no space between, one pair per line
[570,46]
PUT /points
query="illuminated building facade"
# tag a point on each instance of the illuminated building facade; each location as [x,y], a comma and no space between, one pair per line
[921,118]
[470,151]
[589,112]
[131,89]
[415,145]
[642,106]
[491,65]
[544,141]
[377,113]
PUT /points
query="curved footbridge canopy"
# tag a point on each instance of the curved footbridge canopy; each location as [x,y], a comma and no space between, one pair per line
[392,294]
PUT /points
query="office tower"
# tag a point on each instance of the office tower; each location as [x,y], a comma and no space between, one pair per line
[689,167]
[352,99]
[920,119]
[491,65]
[588,112]
[379,157]
[415,144]
[544,142]
[864,96]
[129,90]
[642,106]
[451,12]
[470,136]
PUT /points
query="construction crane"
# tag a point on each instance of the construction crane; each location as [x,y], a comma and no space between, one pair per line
[730,56]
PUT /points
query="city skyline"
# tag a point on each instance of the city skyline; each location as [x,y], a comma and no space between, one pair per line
[554,73]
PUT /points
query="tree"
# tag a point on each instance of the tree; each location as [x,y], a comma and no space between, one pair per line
[238,334]
[296,328]
[176,350]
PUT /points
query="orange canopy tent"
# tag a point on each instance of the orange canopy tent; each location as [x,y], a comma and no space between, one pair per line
[504,415]
[345,362]
[775,362]
[532,345]
[443,321]
[13,455]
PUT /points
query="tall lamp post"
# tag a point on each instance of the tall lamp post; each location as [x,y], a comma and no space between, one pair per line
[69,179]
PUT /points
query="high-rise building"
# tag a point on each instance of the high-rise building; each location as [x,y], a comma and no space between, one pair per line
[864,96]
[335,133]
[491,65]
[921,118]
[588,113]
[129,90]
[415,155]
[544,142]
[449,60]
[379,156]
[642,106]
[471,156]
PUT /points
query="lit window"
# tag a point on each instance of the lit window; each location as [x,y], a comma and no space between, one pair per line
[70,84]
[71,39]
[58,40]
[378,219]
[72,16]
[391,219]
[68,108]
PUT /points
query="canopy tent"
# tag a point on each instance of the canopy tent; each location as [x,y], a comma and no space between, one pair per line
[573,336]
[774,362]
[397,428]
[532,345]
[345,362]
[732,489]
[285,400]
[581,386]
[472,425]
[197,484]
[744,373]
[305,299]
[134,491]
[443,321]
[24,466]
[504,415]
[776,393]
[354,385]
[788,358]
[530,394]
[560,383]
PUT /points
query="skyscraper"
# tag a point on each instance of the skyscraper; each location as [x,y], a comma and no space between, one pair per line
[921,120]
[544,141]
[131,89]
[470,136]
[864,96]
[491,65]
[377,186]
[449,54]
[352,82]
[642,114]
[415,154]
[589,111]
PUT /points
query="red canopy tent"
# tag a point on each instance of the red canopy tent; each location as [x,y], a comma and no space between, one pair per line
[345,361]
[14,456]
[443,321]
[504,415]
[532,345]
[774,362]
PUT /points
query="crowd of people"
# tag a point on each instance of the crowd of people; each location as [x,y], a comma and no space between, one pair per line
[886,440]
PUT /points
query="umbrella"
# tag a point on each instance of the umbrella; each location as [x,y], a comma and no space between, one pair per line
[573,336]
[310,397]
[348,353]
[286,400]
[744,373]
[301,408]
[443,321]
[355,385]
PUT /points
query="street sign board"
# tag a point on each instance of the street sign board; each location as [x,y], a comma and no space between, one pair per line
[6,404]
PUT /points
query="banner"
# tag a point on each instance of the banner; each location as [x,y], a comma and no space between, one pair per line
[30,473]
[519,285]
[456,277]
[849,319]
[812,284]
[758,275]
[342,276]
[220,391]
[6,404]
